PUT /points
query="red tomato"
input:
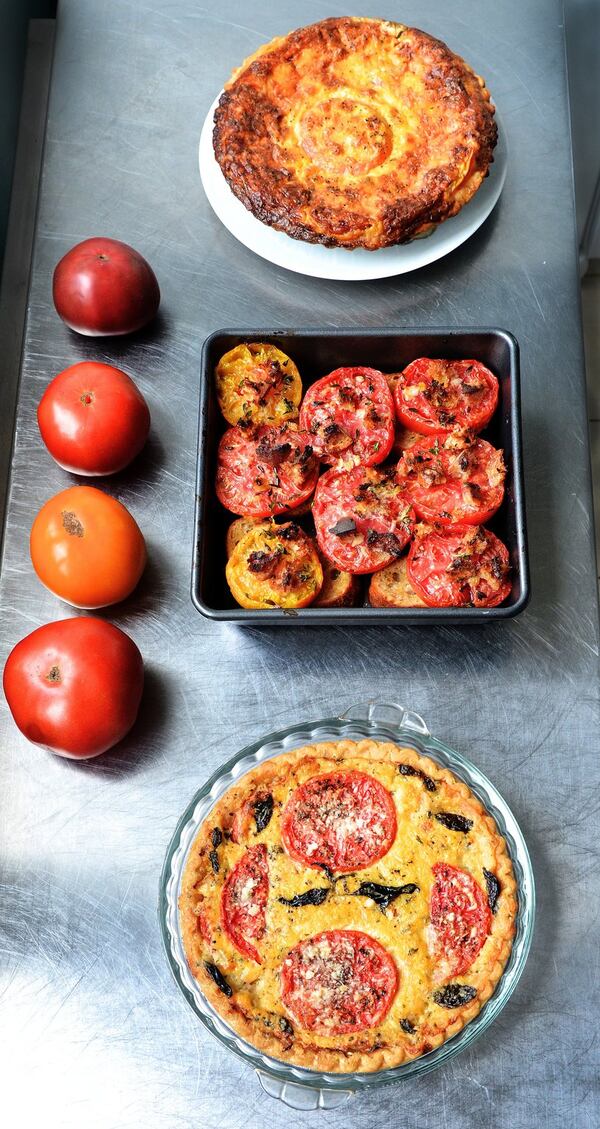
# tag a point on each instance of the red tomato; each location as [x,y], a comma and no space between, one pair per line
[342,820]
[435,395]
[265,470]
[87,548]
[461,920]
[350,413]
[244,901]
[93,419]
[103,287]
[459,567]
[338,981]
[453,479]
[75,686]
[362,520]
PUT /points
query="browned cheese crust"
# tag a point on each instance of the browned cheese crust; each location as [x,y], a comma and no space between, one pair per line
[354,132]
[255,1009]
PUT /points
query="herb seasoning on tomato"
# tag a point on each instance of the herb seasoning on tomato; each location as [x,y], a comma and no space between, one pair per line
[363,521]
[244,901]
[453,479]
[459,567]
[339,981]
[343,821]
[350,415]
[461,920]
[265,470]
[437,395]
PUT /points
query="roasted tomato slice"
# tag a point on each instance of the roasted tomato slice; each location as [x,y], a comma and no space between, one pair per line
[341,820]
[244,901]
[453,479]
[275,566]
[350,414]
[461,920]
[362,519]
[265,470]
[466,567]
[435,395]
[338,981]
[258,384]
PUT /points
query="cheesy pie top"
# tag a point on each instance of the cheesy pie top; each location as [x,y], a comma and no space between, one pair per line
[348,906]
[354,132]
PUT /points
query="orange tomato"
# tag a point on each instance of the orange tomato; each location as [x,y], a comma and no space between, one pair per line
[86,548]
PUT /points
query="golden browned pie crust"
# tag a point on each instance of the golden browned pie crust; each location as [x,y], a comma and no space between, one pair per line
[354,132]
[415,1022]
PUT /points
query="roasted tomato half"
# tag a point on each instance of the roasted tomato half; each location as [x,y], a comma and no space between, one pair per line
[466,567]
[275,567]
[350,415]
[453,479]
[265,470]
[258,384]
[362,520]
[436,395]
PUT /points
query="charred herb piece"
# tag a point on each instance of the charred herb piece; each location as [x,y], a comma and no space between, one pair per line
[214,860]
[343,526]
[454,995]
[408,770]
[407,1026]
[493,889]
[218,978]
[285,1026]
[454,822]
[216,837]
[383,895]
[314,897]
[263,810]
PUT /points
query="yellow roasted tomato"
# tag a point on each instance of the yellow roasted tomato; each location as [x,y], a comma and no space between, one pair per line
[258,384]
[275,566]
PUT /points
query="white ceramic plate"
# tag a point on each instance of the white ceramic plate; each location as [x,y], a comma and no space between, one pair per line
[335,262]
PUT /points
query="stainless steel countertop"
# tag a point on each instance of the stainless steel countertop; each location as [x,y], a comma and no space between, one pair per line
[93,1030]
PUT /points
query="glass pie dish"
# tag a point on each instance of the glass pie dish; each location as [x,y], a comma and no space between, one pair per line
[299,1087]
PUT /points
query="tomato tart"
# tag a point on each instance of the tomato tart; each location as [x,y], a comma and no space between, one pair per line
[348,906]
[354,132]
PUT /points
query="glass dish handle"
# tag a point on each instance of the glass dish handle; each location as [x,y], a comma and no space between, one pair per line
[306,1098]
[393,714]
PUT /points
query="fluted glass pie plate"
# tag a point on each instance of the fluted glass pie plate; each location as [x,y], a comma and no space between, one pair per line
[337,262]
[388,721]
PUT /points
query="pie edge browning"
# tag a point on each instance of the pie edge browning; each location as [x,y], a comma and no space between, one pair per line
[399,228]
[318,1058]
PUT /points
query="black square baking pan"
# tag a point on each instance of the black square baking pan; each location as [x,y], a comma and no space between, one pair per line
[317,352]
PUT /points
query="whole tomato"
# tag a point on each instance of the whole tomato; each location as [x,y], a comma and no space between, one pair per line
[93,419]
[75,686]
[86,548]
[103,287]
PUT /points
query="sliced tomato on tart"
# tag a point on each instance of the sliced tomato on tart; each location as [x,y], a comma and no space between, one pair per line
[257,384]
[340,821]
[438,395]
[350,414]
[338,981]
[453,479]
[461,920]
[362,519]
[244,901]
[265,470]
[275,566]
[464,566]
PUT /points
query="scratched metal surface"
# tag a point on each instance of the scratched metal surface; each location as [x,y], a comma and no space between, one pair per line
[93,1031]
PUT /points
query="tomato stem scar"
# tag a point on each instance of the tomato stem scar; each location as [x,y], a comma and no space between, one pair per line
[71,523]
[86,398]
[53,674]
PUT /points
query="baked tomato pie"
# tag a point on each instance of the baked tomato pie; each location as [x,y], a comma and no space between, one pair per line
[348,906]
[354,132]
